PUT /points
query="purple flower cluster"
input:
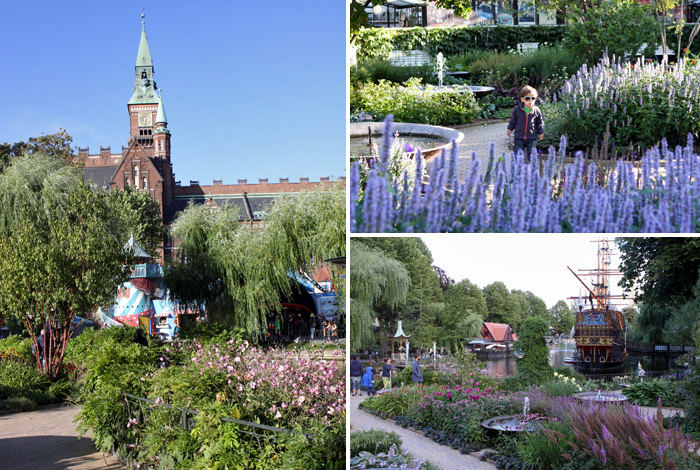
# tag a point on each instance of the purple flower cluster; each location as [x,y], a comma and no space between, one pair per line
[660,194]
[640,102]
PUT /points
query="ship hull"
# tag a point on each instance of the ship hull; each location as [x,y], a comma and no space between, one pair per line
[600,341]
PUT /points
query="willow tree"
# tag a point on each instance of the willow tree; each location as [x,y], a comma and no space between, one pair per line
[239,272]
[60,250]
[377,283]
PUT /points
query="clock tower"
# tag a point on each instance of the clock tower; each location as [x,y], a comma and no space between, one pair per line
[143,105]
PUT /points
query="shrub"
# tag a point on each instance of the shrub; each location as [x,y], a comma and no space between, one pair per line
[374,70]
[544,450]
[374,441]
[534,367]
[545,69]
[513,195]
[379,42]
[412,102]
[395,403]
[405,377]
[16,345]
[649,392]
[391,459]
[633,106]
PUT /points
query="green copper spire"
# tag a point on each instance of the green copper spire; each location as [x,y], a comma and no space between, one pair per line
[143,58]
[144,85]
[160,115]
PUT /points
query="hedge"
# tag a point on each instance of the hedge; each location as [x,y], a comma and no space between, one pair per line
[379,42]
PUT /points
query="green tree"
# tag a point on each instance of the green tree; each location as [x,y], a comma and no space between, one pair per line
[242,272]
[534,366]
[465,295]
[60,250]
[56,145]
[561,319]
[425,284]
[379,285]
[141,215]
[593,31]
[502,306]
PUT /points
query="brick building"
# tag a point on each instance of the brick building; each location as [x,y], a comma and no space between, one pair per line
[145,163]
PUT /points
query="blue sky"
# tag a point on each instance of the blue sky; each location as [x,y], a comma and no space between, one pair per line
[251,89]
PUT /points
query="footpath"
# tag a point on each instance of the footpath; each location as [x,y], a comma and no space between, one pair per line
[478,138]
[47,439]
[415,442]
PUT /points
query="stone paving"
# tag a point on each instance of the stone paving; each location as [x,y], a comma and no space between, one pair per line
[47,439]
[415,442]
[478,138]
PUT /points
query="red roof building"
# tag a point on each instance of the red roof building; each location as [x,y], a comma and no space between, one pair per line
[498,333]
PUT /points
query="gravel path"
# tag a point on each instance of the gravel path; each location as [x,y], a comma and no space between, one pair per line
[415,442]
[47,439]
[478,138]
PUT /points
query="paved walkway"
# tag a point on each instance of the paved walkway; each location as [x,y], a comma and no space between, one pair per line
[478,138]
[415,442]
[47,440]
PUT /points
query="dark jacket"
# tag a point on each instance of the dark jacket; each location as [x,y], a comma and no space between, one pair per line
[367,379]
[417,373]
[526,126]
[386,370]
[355,368]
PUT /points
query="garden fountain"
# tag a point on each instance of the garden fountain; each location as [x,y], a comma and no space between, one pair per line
[478,91]
[430,139]
[525,421]
[600,397]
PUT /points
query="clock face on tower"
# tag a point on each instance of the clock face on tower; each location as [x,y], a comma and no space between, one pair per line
[145,119]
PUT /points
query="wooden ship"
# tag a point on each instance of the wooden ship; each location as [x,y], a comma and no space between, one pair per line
[600,329]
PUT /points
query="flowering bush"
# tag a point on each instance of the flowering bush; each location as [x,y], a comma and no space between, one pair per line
[513,195]
[278,388]
[230,379]
[413,102]
[640,103]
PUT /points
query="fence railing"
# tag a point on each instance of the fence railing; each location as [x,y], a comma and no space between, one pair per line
[260,439]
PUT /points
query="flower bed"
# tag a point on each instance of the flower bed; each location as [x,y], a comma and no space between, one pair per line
[220,379]
[640,103]
[513,195]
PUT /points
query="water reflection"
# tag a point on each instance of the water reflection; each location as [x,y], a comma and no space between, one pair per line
[506,366]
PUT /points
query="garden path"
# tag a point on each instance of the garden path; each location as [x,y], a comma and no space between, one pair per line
[477,138]
[47,439]
[415,442]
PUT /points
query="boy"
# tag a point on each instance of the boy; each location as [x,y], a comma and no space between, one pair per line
[368,382]
[526,122]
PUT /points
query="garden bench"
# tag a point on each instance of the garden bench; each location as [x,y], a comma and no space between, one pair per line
[407,58]
[659,52]
[528,46]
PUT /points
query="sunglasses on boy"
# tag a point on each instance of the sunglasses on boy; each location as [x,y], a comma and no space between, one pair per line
[529,98]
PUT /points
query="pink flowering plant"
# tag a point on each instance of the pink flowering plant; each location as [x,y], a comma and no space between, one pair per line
[278,388]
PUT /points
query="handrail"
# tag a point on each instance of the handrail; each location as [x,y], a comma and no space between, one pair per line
[228,420]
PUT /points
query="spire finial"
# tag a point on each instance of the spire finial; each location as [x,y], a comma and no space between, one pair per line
[143,18]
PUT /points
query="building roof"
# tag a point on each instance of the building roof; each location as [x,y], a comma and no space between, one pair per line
[101,176]
[499,331]
[399,331]
[135,249]
[251,206]
[160,115]
[143,58]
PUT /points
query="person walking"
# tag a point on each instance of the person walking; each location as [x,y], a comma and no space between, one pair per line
[355,375]
[386,373]
[417,372]
[312,329]
[368,382]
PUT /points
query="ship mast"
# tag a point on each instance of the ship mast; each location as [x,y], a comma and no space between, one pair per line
[600,290]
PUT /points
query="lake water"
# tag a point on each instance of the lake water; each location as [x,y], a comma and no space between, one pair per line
[506,366]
